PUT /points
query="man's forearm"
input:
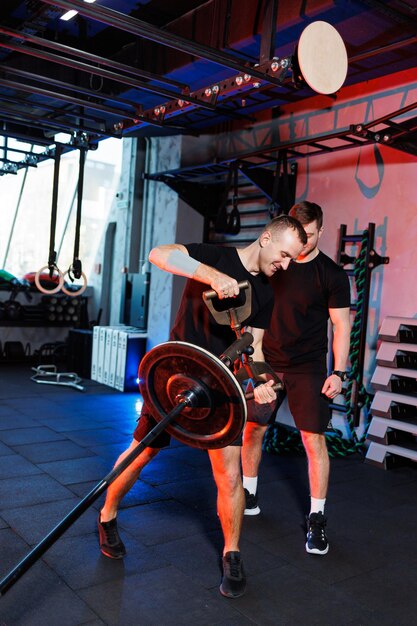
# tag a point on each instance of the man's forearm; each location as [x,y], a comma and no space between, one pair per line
[174,258]
[341,346]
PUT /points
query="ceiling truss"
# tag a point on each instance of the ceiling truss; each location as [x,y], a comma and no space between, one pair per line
[96,96]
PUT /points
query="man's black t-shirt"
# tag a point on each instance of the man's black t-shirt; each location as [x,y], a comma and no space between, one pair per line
[195,324]
[303,295]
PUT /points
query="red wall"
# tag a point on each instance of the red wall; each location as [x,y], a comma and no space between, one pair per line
[356,186]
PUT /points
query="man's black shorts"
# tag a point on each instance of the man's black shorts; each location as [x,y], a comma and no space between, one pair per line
[308,406]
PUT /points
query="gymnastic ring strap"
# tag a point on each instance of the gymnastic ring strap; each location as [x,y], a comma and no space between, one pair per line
[55,187]
[76,264]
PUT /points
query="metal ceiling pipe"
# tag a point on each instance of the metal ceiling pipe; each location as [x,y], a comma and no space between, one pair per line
[387,116]
[50,109]
[98,71]
[63,85]
[383,49]
[170,40]
[68,86]
[88,56]
[27,119]
[59,96]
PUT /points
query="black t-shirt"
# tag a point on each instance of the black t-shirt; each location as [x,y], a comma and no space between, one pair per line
[195,324]
[303,295]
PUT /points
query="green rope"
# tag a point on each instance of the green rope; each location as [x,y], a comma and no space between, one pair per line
[285,440]
[280,439]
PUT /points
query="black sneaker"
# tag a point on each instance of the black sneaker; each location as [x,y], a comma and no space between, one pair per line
[110,543]
[316,534]
[233,583]
[251,503]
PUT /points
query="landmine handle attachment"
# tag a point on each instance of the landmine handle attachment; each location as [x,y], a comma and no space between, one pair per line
[246,368]
[233,315]
[48,375]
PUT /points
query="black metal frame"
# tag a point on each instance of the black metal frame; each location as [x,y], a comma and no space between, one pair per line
[255,84]
[372,260]
[387,132]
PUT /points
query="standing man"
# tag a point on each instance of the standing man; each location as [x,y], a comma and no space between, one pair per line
[221,268]
[313,289]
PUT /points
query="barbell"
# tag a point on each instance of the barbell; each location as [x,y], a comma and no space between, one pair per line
[193,395]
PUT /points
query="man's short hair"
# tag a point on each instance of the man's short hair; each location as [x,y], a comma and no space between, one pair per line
[281,223]
[306,212]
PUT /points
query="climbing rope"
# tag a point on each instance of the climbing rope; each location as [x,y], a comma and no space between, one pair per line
[280,439]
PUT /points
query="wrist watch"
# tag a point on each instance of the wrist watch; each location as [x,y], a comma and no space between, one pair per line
[342,375]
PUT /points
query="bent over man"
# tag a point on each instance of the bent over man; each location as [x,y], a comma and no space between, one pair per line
[221,268]
[295,345]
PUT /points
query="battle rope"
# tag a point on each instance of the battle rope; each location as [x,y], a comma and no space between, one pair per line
[280,439]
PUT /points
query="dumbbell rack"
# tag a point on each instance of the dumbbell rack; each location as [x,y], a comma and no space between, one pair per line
[392,432]
[55,310]
[50,311]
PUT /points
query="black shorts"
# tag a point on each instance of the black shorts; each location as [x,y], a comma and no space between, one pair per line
[145,424]
[308,406]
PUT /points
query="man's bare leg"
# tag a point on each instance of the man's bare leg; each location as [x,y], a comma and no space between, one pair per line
[230,504]
[318,474]
[123,483]
[111,544]
[252,448]
[251,458]
[318,463]
[230,499]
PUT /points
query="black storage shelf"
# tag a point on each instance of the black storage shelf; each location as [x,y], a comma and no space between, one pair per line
[56,311]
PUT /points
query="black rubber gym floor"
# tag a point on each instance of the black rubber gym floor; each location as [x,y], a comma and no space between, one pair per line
[56,443]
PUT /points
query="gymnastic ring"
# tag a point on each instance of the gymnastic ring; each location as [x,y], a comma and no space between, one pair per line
[81,289]
[55,289]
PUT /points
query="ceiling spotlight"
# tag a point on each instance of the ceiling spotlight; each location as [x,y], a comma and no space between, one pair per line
[68,15]
[274,64]
[72,13]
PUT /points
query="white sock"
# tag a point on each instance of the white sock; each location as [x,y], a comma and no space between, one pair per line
[317,505]
[250,483]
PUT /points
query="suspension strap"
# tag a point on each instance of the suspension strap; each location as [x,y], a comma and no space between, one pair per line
[76,264]
[280,202]
[75,271]
[274,206]
[222,218]
[52,266]
[233,223]
[52,253]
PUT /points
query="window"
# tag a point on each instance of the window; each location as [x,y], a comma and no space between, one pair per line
[25,231]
